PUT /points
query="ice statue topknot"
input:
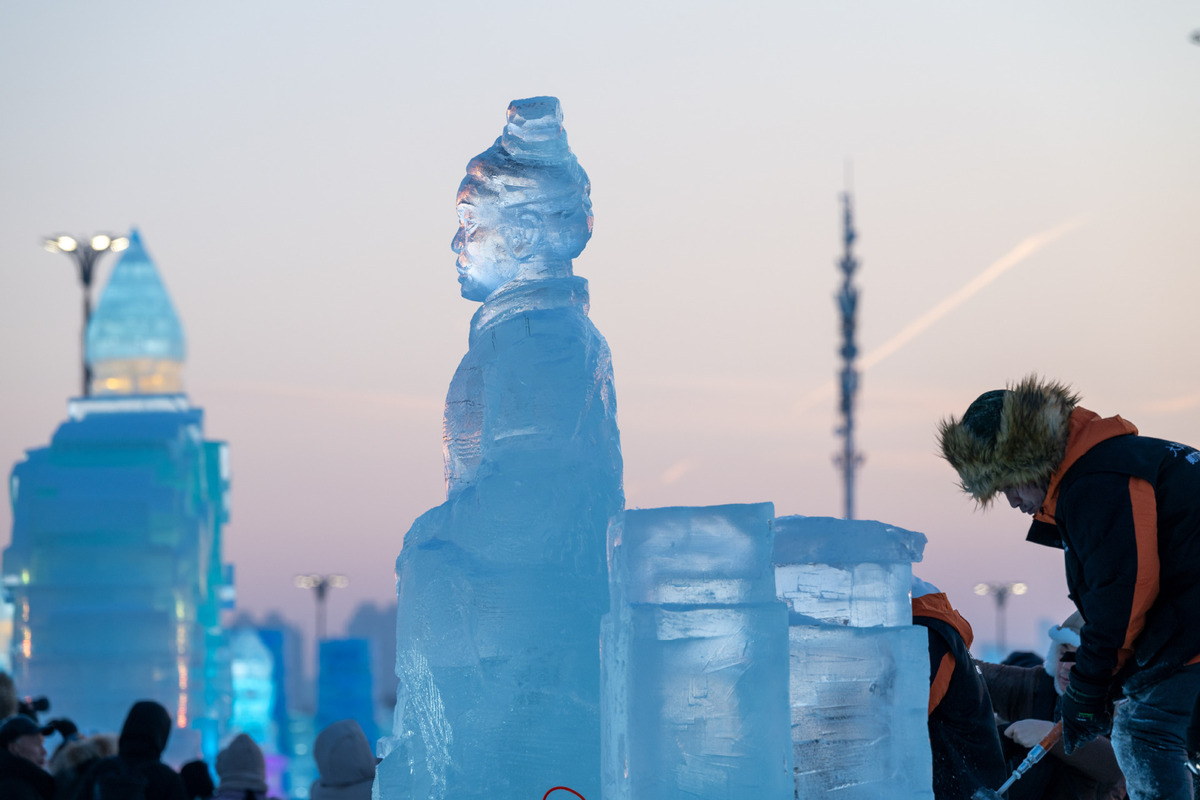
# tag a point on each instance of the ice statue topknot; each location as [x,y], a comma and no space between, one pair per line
[529,189]
[534,132]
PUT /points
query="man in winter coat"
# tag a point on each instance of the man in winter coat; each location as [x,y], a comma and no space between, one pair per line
[1125,510]
[962,730]
[136,766]
[23,760]
[1026,700]
[345,761]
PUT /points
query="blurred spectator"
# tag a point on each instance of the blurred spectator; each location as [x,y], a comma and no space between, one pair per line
[1028,701]
[136,766]
[73,758]
[23,760]
[8,696]
[241,771]
[345,761]
[197,780]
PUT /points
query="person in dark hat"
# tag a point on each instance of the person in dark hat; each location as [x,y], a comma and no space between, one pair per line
[1125,511]
[136,766]
[23,760]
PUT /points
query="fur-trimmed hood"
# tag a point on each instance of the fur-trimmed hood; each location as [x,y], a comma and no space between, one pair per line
[1010,438]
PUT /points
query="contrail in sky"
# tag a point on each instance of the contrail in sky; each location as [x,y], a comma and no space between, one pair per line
[997,268]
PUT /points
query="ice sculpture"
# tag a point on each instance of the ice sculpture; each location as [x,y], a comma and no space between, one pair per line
[116,564]
[859,670]
[695,658]
[501,588]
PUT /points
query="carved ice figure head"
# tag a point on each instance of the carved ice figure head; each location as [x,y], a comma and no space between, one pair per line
[524,208]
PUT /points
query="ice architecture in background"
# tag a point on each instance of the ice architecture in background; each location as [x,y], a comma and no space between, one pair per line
[695,658]
[116,564]
[859,669]
[502,587]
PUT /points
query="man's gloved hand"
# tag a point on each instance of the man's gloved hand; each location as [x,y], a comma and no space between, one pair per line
[1086,712]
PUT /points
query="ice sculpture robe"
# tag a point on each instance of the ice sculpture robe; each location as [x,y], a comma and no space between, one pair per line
[501,588]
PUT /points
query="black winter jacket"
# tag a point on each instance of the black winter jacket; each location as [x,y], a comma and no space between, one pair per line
[1125,509]
[962,730]
[21,779]
[143,738]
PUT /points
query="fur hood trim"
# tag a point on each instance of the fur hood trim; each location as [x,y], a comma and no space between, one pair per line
[1024,445]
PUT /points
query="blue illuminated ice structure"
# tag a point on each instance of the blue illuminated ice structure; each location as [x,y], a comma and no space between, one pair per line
[135,342]
[502,587]
[859,670]
[696,658]
[116,566]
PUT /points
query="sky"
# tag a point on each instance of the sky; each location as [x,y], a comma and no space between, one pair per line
[1025,180]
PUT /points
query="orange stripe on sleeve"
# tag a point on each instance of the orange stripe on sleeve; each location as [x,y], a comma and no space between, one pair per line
[941,681]
[1145,592]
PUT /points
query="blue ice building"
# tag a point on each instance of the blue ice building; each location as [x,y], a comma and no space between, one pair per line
[115,568]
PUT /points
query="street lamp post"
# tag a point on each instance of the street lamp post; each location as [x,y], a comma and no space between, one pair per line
[320,584]
[85,253]
[1000,591]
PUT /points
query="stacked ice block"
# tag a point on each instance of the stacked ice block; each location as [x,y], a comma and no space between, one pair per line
[859,670]
[695,658]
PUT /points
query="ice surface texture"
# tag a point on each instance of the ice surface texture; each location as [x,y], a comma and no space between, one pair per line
[695,649]
[859,670]
[501,588]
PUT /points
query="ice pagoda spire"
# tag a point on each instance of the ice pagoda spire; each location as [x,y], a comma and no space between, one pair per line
[134,340]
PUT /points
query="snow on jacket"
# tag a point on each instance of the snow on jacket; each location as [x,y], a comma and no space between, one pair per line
[962,731]
[1125,509]
[345,761]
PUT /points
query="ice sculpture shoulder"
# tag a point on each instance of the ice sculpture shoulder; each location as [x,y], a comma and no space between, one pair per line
[501,588]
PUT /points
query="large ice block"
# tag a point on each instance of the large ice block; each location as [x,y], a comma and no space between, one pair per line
[695,658]
[846,572]
[858,712]
[858,669]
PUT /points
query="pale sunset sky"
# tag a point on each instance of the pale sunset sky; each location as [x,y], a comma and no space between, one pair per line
[1027,187]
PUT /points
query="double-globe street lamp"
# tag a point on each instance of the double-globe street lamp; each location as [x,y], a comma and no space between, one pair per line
[85,253]
[320,584]
[1000,591]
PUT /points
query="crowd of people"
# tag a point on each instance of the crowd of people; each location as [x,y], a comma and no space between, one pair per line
[129,766]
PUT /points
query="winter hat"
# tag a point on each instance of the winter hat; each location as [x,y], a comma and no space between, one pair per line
[1060,637]
[1009,437]
[346,763]
[241,765]
[197,781]
[19,725]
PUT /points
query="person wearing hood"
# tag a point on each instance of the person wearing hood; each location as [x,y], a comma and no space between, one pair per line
[23,760]
[962,732]
[136,766]
[1125,511]
[1026,700]
[345,762]
[241,771]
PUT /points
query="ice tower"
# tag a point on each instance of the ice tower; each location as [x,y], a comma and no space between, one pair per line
[501,588]
[115,566]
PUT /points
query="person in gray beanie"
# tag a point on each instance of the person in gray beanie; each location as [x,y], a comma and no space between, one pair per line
[241,771]
[346,763]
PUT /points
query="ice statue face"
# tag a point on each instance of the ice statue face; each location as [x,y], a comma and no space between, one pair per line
[488,256]
[1066,662]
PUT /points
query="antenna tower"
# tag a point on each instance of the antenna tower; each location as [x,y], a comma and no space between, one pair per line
[848,460]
